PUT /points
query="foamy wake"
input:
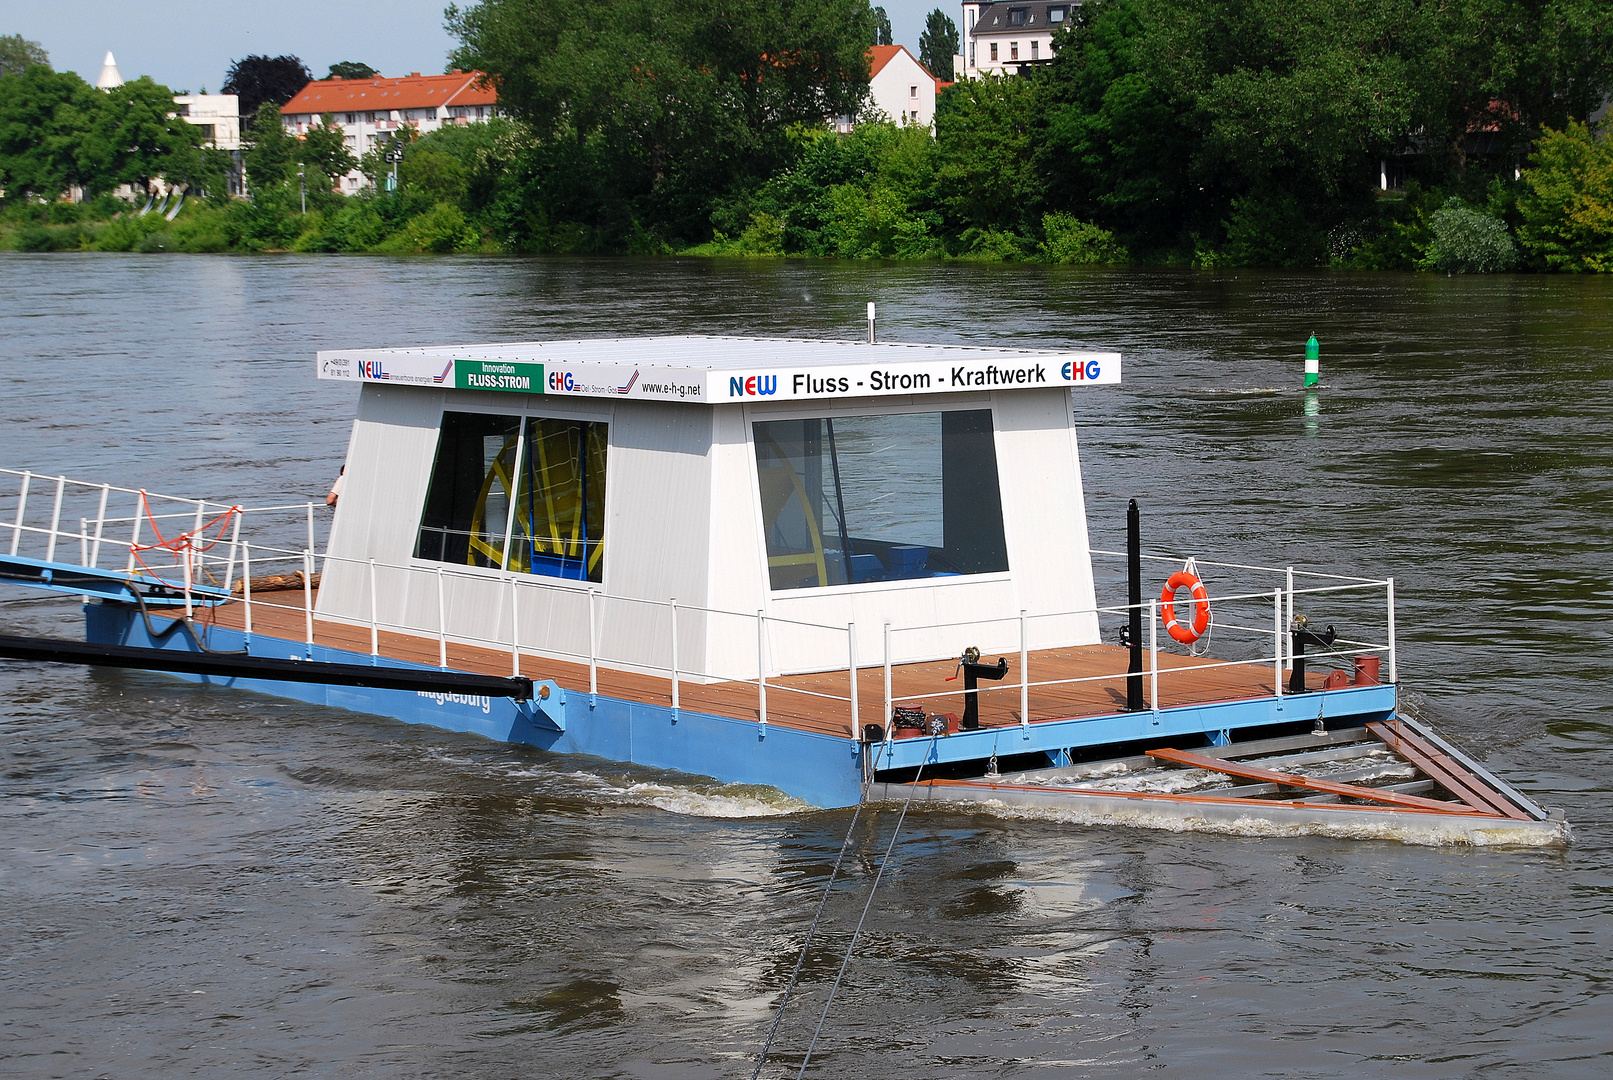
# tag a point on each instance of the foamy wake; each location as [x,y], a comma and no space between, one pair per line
[711,800]
[1427,834]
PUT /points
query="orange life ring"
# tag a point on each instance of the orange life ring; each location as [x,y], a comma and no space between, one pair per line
[1201,607]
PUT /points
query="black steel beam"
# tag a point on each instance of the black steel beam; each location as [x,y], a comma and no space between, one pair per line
[240,666]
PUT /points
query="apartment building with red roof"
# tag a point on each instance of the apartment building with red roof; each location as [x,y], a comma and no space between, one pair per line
[370,111]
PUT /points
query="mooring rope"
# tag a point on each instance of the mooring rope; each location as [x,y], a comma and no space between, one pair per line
[812,930]
[855,934]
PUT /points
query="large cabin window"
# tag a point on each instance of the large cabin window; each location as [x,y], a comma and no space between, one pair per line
[853,499]
[540,485]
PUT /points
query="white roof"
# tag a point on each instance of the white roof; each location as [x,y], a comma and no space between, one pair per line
[110,78]
[712,370]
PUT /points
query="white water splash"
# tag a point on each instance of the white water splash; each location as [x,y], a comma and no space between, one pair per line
[707,800]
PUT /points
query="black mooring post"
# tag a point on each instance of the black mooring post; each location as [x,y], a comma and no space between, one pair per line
[1134,597]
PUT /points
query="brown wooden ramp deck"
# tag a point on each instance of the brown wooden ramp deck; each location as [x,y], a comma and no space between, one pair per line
[1183,680]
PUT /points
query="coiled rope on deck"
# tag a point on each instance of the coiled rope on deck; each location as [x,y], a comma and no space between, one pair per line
[822,902]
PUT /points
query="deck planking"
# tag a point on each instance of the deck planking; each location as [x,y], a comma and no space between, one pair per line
[1183,680]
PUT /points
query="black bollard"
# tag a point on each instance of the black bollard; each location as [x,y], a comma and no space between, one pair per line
[1301,638]
[1134,597]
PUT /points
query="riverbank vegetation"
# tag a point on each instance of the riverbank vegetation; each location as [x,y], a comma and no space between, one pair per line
[1367,134]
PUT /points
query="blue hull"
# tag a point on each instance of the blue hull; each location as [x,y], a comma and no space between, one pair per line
[820,769]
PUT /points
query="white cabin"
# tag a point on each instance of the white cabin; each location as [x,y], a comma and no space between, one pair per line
[820,483]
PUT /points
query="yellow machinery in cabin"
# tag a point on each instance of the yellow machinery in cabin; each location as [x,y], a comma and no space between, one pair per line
[558,490]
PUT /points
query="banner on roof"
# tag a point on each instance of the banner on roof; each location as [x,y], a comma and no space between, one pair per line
[715,385]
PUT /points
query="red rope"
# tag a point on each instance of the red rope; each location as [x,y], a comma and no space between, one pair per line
[185,541]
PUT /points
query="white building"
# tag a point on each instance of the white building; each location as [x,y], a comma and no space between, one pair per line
[371,111]
[1000,38]
[218,115]
[900,87]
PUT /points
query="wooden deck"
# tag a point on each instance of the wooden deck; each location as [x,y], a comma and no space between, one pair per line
[1183,680]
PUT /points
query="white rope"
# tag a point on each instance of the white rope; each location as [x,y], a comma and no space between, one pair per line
[1201,647]
[855,934]
[811,931]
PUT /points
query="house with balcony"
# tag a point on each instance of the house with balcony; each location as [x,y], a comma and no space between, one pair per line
[219,117]
[1003,37]
[371,111]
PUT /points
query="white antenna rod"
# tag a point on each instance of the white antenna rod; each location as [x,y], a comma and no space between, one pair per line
[870,322]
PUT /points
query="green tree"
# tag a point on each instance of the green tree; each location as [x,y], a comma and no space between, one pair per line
[428,177]
[351,69]
[324,147]
[260,80]
[882,27]
[271,154]
[1253,131]
[18,54]
[45,117]
[938,44]
[136,137]
[1567,205]
[987,177]
[1469,241]
[684,105]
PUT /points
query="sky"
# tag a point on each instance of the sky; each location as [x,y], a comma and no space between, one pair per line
[189,47]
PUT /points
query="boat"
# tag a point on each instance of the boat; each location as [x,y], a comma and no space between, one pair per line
[849,570]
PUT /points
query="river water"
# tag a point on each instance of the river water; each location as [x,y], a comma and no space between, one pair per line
[211,884]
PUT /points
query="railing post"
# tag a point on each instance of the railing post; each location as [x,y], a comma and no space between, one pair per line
[1277,637]
[192,552]
[1287,646]
[593,655]
[1153,654]
[889,713]
[84,541]
[311,546]
[761,667]
[1024,676]
[515,628]
[235,546]
[22,506]
[100,524]
[674,613]
[375,622]
[134,531]
[246,587]
[442,622]
[851,649]
[55,519]
[188,568]
[308,598]
[1394,672]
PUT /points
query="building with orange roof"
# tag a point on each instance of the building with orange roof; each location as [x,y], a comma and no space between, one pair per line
[371,111]
[899,88]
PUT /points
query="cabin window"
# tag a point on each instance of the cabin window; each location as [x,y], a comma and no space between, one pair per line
[853,499]
[541,485]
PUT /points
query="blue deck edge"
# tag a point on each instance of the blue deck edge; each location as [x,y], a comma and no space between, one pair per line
[822,770]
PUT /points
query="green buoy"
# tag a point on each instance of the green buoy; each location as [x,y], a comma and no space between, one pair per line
[1313,362]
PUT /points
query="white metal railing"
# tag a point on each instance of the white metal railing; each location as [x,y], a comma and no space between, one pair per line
[1275,656]
[260,559]
[34,506]
[214,558]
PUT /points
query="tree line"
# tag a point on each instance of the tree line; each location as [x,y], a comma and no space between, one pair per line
[1355,133]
